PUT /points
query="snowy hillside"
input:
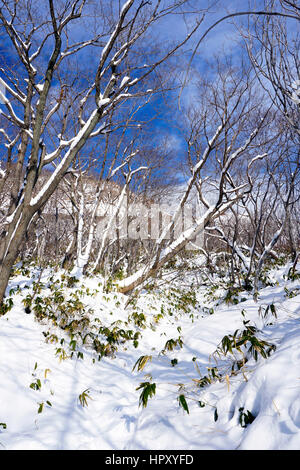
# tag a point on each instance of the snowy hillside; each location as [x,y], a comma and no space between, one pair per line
[149,226]
[58,393]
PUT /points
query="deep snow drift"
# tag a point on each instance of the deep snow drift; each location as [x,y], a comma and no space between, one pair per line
[43,389]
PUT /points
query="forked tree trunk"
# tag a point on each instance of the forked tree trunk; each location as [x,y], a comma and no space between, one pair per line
[10,249]
[161,258]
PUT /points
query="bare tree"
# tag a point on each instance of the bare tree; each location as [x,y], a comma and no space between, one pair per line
[48,101]
[216,151]
[273,48]
[262,219]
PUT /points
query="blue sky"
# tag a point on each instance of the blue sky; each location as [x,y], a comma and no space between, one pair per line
[223,41]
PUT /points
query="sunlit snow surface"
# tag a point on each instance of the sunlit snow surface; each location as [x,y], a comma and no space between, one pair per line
[113,419]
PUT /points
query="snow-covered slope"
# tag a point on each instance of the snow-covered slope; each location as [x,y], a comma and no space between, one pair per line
[34,378]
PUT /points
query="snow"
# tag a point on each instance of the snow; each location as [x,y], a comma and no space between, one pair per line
[40,87]
[10,218]
[103,101]
[113,419]
[124,81]
[111,40]
[80,135]
[296,94]
[295,97]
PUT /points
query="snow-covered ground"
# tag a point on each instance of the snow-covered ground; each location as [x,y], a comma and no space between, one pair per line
[269,388]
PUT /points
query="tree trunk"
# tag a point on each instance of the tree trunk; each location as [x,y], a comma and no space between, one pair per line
[12,250]
[131,282]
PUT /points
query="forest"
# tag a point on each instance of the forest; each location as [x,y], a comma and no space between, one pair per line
[149,224]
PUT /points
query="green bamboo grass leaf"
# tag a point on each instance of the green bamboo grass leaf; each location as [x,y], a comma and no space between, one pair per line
[148,391]
[83,398]
[141,362]
[183,403]
[40,409]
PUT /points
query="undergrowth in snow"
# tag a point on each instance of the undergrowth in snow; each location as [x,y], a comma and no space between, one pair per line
[186,363]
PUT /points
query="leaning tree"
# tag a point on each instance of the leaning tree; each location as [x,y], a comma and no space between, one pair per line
[58,94]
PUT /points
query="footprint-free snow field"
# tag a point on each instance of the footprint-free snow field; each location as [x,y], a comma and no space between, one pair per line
[59,394]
